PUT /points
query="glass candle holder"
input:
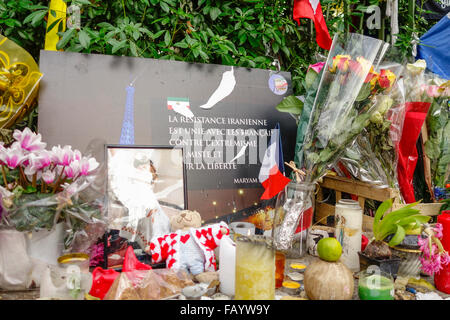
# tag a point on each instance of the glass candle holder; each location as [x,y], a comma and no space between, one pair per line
[255,268]
[375,284]
[280,261]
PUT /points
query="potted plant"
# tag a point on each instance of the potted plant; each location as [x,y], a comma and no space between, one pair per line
[389,231]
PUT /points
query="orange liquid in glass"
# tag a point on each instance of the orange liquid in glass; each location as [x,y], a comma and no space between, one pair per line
[280,260]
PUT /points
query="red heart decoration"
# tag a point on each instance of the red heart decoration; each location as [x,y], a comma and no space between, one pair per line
[185,238]
[171,252]
[173,235]
[152,246]
[171,262]
[155,256]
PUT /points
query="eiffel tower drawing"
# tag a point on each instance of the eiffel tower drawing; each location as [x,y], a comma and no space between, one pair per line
[127,134]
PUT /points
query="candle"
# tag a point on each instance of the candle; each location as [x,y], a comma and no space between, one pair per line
[376,287]
[280,260]
[255,269]
[348,231]
[227,265]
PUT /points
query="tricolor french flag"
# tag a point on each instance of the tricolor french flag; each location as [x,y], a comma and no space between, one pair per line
[271,174]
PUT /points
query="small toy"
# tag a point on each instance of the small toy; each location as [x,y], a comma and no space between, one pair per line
[189,247]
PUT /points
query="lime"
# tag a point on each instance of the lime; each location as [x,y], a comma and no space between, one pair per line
[329,249]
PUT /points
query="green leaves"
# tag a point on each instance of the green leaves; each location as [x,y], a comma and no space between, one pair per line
[66,36]
[290,104]
[35,17]
[84,38]
[397,222]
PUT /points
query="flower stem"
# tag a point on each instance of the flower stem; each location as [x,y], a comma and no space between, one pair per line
[57,183]
[22,174]
[4,177]
[34,180]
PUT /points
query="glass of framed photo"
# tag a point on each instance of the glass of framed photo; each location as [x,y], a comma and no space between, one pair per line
[146,185]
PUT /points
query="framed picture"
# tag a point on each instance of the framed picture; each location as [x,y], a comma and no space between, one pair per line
[146,185]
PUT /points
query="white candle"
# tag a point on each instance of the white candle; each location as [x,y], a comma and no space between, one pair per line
[348,232]
[227,265]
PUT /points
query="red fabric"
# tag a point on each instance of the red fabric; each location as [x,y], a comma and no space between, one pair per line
[415,115]
[303,9]
[274,184]
[102,280]
[131,263]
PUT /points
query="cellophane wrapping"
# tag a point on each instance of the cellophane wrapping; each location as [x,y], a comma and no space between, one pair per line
[155,284]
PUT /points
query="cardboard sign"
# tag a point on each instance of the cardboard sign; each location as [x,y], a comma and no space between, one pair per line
[222,116]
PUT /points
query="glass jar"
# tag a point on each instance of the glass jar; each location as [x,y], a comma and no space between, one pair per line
[294,211]
[255,268]
[374,284]
[348,231]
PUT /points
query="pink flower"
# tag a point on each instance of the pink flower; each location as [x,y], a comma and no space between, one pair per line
[431,90]
[36,162]
[72,170]
[28,140]
[96,255]
[77,155]
[62,156]
[317,66]
[438,230]
[48,176]
[88,165]
[13,157]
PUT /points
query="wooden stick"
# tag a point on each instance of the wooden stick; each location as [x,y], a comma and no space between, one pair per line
[297,171]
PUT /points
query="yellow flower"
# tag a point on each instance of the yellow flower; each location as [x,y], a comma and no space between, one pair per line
[340,62]
[386,79]
[366,65]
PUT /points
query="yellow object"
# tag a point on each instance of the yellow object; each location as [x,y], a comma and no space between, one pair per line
[255,269]
[329,249]
[421,283]
[19,79]
[291,284]
[87,296]
[297,266]
[51,37]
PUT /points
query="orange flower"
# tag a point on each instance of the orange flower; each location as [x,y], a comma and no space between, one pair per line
[386,78]
[340,62]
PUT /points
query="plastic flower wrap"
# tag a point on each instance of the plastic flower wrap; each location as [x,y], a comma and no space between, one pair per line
[19,80]
[373,156]
[433,257]
[437,147]
[41,188]
[343,104]
[416,108]
[345,100]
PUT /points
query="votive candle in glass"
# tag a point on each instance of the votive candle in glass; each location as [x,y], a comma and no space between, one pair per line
[255,268]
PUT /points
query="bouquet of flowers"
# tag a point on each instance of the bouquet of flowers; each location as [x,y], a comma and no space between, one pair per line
[437,147]
[347,97]
[40,188]
[373,156]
